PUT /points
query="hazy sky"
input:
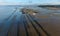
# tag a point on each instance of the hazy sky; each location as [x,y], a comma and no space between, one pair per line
[16,2]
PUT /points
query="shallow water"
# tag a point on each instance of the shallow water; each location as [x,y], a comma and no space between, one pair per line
[6,11]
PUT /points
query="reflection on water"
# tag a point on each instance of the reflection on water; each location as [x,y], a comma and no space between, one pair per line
[51,23]
[9,15]
[6,11]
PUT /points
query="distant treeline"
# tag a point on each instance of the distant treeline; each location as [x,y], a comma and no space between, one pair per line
[49,6]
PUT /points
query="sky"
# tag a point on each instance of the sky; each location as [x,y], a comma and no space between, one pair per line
[27,2]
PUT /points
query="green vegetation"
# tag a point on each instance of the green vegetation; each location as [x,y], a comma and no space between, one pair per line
[49,6]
